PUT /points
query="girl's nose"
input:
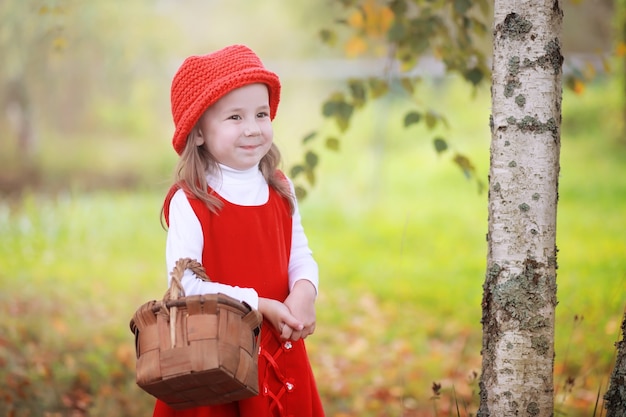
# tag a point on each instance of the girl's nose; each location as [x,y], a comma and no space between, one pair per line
[252,129]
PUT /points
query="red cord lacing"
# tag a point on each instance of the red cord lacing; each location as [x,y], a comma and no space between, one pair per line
[272,364]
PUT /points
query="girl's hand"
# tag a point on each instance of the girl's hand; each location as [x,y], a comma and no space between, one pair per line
[301,303]
[280,317]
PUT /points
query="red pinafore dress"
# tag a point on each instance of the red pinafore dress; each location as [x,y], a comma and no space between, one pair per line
[249,246]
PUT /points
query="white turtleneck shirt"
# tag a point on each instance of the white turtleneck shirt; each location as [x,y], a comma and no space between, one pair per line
[185,238]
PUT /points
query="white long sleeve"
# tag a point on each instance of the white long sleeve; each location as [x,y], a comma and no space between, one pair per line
[302,265]
[185,240]
[185,237]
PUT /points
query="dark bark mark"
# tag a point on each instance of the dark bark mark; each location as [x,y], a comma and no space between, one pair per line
[512,82]
[490,335]
[552,59]
[520,297]
[529,124]
[532,409]
[514,27]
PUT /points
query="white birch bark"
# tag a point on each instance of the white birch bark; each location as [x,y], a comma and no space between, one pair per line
[615,397]
[519,296]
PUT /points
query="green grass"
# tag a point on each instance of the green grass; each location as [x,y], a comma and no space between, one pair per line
[398,232]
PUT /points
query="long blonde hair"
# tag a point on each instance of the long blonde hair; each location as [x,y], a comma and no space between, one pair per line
[196,161]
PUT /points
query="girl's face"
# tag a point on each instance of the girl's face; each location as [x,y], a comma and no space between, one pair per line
[237,129]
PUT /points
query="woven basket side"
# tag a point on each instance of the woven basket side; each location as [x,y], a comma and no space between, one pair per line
[201,327]
[143,317]
[229,326]
[204,355]
[228,335]
[175,362]
[148,368]
[163,329]
[244,366]
[147,339]
[181,328]
[249,334]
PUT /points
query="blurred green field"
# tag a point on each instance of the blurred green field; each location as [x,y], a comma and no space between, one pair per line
[398,232]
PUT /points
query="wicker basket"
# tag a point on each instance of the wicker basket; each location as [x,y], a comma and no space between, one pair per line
[197,350]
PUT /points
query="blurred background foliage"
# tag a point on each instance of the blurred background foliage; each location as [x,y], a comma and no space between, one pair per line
[86,158]
[98,73]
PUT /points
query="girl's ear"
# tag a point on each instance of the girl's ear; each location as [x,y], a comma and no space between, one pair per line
[198,138]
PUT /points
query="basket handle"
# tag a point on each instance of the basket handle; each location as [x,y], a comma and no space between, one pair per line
[176,289]
[253,319]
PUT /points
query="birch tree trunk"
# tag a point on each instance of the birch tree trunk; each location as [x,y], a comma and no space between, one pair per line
[519,294]
[615,397]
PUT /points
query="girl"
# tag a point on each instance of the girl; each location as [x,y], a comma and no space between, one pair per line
[235,212]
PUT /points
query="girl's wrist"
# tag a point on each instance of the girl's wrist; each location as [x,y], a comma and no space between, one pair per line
[305,287]
[265,305]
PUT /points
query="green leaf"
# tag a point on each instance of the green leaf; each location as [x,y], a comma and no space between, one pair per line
[474,75]
[412,117]
[296,170]
[332,143]
[431,119]
[464,163]
[328,37]
[398,7]
[407,84]
[300,192]
[462,6]
[378,87]
[329,108]
[397,32]
[337,107]
[440,144]
[343,115]
[309,137]
[357,89]
[311,159]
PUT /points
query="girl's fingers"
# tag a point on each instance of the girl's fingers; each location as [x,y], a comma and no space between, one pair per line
[293,323]
[288,333]
[285,331]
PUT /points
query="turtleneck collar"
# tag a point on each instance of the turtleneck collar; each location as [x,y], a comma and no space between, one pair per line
[231,175]
[243,187]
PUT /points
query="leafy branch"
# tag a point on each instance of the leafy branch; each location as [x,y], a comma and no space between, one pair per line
[404,31]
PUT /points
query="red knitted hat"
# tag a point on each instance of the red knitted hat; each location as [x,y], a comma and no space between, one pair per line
[202,80]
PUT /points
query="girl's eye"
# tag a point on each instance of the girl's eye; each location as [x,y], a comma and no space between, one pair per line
[262,114]
[235,117]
